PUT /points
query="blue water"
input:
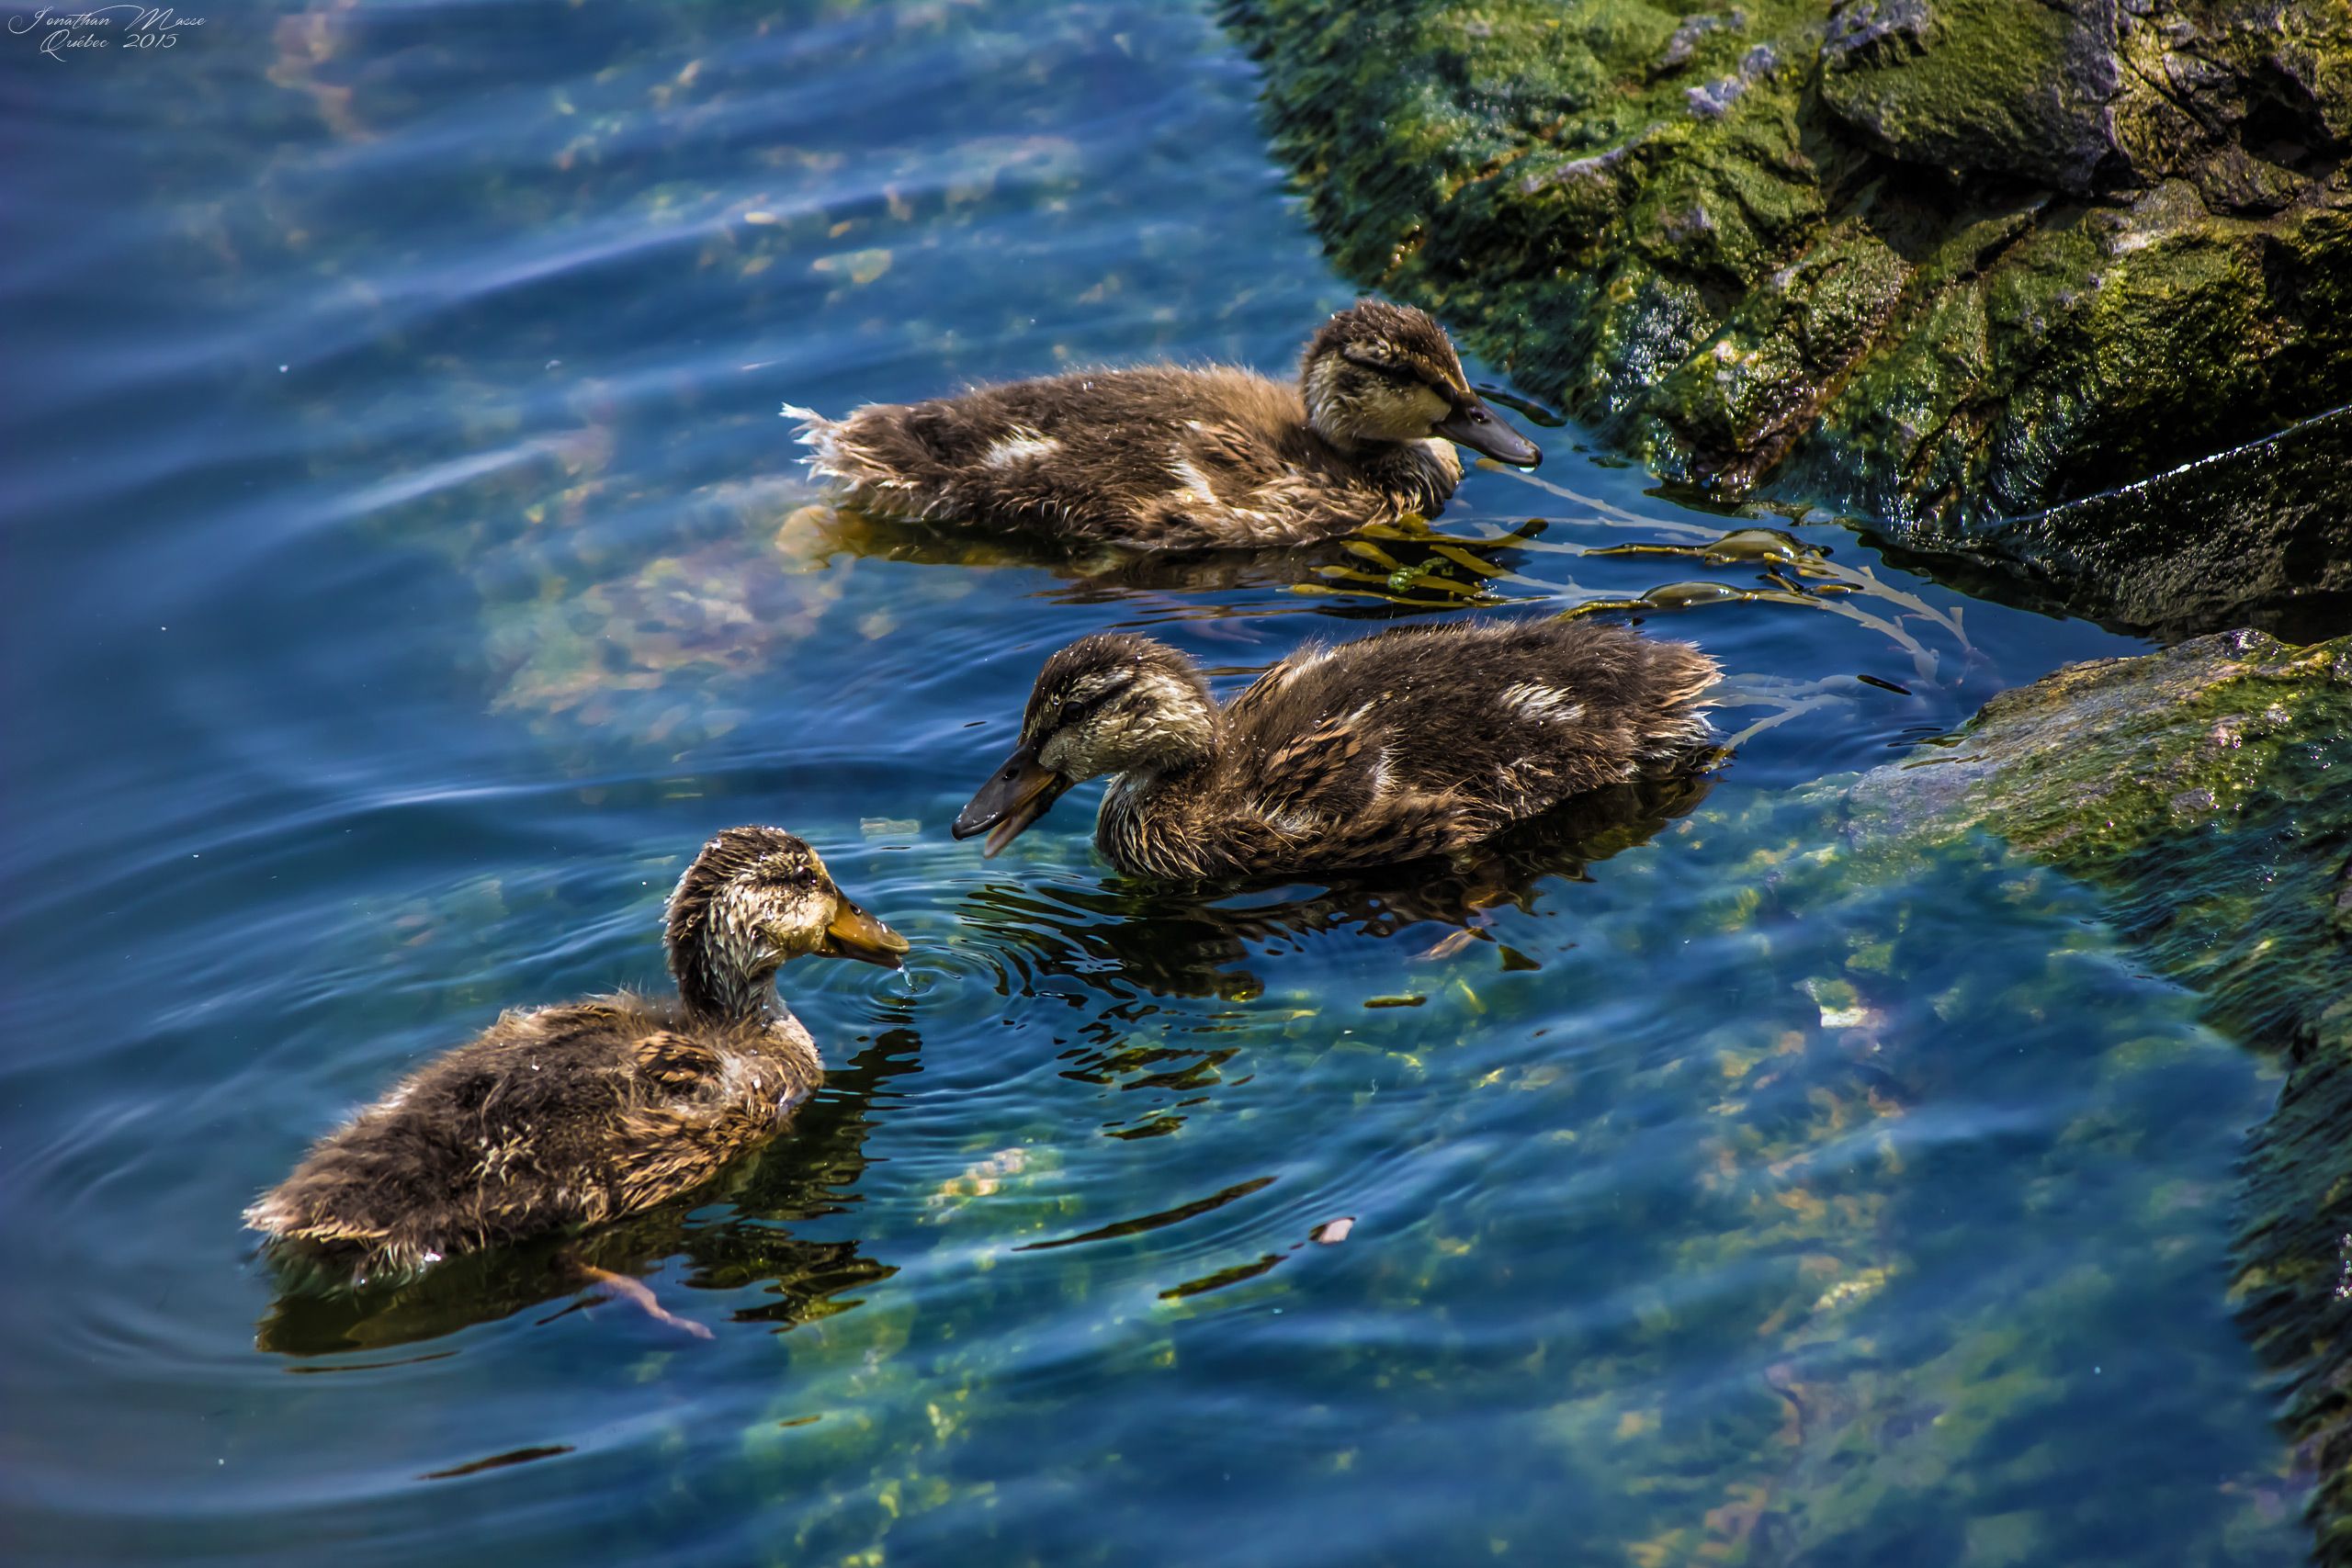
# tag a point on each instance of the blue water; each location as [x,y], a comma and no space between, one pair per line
[407,569]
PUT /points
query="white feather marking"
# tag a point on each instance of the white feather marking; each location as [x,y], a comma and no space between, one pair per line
[1544,705]
[1298,664]
[737,1081]
[1191,483]
[1307,659]
[1019,447]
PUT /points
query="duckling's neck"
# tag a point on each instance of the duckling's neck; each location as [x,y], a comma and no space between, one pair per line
[719,985]
[1147,816]
[1420,474]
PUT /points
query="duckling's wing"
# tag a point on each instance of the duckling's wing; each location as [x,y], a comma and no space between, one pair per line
[1314,772]
[1525,712]
[660,1151]
[1323,772]
[496,1138]
[673,1065]
[1156,457]
[1239,466]
[704,1100]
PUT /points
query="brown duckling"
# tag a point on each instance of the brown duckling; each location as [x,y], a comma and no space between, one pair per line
[1416,742]
[573,1114]
[1166,458]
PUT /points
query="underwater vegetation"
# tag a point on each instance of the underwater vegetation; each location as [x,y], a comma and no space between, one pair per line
[2204,789]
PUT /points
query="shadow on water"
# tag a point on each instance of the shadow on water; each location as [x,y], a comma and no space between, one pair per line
[1417,573]
[1129,937]
[807,1174]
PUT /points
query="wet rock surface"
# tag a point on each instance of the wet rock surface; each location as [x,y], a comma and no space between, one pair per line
[1945,262]
[2252,536]
[2258,537]
[2208,790]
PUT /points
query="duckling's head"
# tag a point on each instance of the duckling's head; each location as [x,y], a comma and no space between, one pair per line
[755,897]
[1380,373]
[1114,703]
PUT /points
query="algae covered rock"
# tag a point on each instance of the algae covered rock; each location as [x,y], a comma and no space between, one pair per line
[2208,789]
[1979,84]
[1942,261]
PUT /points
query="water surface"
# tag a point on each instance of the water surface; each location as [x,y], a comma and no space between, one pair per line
[408,569]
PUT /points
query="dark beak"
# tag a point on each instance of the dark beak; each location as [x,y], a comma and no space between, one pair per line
[1020,792]
[1478,427]
[854,933]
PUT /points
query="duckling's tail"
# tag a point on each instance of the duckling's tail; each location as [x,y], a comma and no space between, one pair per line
[845,451]
[1680,683]
[292,1228]
[823,437]
[339,1210]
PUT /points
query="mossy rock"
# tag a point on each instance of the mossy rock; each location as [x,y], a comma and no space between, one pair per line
[2209,790]
[1944,261]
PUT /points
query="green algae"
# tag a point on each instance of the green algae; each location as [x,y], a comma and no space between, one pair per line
[1938,86]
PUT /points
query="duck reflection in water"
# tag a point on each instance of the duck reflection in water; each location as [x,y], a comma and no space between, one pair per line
[806,1176]
[1130,937]
[1413,566]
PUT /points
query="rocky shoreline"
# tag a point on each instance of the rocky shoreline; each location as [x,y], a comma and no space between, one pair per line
[1942,262]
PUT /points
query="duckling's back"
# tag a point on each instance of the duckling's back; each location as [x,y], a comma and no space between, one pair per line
[553,1117]
[1155,458]
[1539,709]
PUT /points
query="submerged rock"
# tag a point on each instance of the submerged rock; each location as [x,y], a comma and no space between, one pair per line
[2208,789]
[1942,261]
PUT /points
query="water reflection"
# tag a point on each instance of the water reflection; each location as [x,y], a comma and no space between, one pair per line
[1128,936]
[1417,569]
[808,1173]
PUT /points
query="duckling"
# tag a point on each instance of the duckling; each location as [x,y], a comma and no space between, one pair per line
[573,1114]
[1159,457]
[1416,742]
